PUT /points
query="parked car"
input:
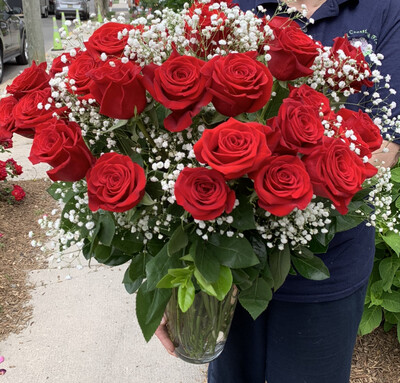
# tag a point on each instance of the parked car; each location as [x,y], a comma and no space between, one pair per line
[69,8]
[44,6]
[12,37]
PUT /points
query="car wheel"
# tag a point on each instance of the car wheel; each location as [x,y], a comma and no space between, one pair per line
[22,59]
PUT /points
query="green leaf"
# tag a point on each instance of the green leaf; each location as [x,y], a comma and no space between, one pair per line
[347,222]
[118,125]
[243,215]
[66,188]
[129,243]
[130,285]
[147,200]
[279,264]
[102,253]
[178,241]
[158,266]
[259,248]
[167,282]
[186,294]
[393,241]
[206,263]
[281,90]
[233,252]
[150,307]
[391,301]
[371,319]
[107,229]
[223,283]
[218,289]
[256,298]
[387,270]
[376,291]
[395,175]
[137,268]
[311,268]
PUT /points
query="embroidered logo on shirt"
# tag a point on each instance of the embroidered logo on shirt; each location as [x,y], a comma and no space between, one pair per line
[362,42]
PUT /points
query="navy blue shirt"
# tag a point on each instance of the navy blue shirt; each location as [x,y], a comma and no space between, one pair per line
[350,255]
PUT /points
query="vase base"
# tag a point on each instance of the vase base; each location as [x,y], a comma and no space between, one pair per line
[202,360]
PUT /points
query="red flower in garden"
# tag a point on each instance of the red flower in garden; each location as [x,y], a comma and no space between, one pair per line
[179,85]
[60,144]
[234,148]
[32,79]
[238,83]
[115,183]
[118,88]
[14,167]
[3,171]
[18,193]
[203,193]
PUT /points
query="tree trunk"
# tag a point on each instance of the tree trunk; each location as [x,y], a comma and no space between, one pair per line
[34,32]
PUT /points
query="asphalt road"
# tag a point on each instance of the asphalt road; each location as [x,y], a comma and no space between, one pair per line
[11,69]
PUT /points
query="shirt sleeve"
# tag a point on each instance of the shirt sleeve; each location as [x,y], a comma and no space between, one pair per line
[388,46]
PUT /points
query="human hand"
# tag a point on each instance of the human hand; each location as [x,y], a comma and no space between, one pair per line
[163,336]
[387,155]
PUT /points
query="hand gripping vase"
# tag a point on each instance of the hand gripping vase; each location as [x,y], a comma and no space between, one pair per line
[200,333]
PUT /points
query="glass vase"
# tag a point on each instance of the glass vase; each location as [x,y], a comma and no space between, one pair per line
[199,334]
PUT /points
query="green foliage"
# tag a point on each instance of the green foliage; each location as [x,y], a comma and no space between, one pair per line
[382,302]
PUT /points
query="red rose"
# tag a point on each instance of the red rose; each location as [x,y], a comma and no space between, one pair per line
[311,97]
[118,88]
[30,80]
[7,121]
[336,172]
[62,61]
[282,184]
[367,133]
[239,83]
[78,71]
[115,183]
[292,51]
[18,193]
[234,148]
[352,53]
[106,40]
[32,110]
[60,144]
[178,85]
[299,125]
[203,193]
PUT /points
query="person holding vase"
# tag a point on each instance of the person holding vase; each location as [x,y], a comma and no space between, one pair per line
[308,332]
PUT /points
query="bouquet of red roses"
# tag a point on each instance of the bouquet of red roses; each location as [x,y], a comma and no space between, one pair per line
[207,149]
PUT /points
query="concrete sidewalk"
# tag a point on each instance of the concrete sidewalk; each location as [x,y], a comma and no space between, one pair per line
[84,329]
